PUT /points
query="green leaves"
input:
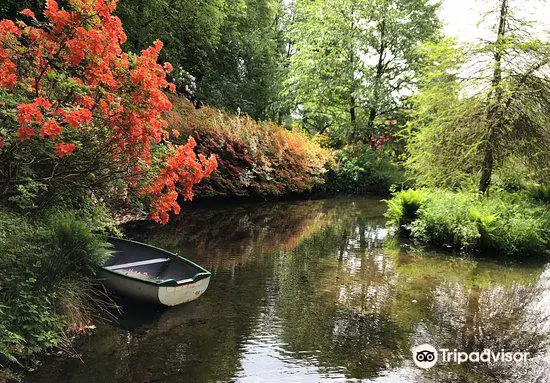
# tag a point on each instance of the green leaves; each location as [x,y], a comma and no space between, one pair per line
[226,53]
[352,62]
[487,100]
[41,262]
[502,225]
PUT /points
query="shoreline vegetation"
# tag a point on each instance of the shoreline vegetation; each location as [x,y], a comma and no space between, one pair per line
[507,225]
[48,291]
[92,135]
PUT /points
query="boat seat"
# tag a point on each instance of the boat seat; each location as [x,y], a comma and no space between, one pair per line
[140,263]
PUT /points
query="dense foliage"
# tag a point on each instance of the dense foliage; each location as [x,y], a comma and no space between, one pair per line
[360,90]
[226,53]
[47,263]
[481,121]
[361,169]
[81,124]
[505,224]
[79,116]
[254,159]
[483,106]
[352,63]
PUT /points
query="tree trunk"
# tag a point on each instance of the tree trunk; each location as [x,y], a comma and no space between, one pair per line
[494,114]
[379,72]
[352,116]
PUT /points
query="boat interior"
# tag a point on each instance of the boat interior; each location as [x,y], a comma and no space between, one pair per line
[136,260]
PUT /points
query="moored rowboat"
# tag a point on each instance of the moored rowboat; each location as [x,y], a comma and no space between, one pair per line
[148,273]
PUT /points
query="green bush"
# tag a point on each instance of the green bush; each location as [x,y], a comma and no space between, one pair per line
[539,192]
[361,169]
[513,226]
[39,259]
[403,207]
[445,220]
[504,224]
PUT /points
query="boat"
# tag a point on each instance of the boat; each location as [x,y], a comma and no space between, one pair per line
[147,273]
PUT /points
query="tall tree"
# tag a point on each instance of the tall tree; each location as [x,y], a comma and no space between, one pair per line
[245,72]
[397,29]
[226,53]
[484,104]
[325,65]
[355,61]
[191,30]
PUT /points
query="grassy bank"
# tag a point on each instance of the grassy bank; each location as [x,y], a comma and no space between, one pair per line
[46,285]
[509,224]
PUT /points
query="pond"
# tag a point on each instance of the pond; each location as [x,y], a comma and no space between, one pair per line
[314,291]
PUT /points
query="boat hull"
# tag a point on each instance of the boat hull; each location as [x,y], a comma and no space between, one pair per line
[173,296]
[158,294]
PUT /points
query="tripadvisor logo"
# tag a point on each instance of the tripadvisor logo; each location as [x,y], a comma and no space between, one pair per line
[426,356]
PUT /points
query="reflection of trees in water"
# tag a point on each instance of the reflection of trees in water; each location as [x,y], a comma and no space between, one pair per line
[363,308]
[206,347]
[340,302]
[226,236]
[498,315]
[332,291]
[474,305]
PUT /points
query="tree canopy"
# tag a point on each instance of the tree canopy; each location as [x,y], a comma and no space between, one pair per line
[483,105]
[353,63]
[226,53]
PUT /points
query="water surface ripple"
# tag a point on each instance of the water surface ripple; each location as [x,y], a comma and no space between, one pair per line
[313,291]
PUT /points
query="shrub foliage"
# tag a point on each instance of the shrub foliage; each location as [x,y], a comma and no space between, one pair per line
[364,168]
[254,158]
[42,261]
[80,115]
[504,224]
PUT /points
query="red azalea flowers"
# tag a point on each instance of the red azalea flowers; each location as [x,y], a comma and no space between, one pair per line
[78,82]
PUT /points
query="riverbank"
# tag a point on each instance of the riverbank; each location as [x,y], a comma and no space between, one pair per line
[502,225]
[48,293]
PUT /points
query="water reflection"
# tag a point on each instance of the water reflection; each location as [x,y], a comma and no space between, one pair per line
[311,291]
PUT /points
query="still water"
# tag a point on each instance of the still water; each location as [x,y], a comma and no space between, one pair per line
[316,291]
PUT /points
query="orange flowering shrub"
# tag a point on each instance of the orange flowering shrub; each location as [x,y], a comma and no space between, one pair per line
[254,159]
[79,113]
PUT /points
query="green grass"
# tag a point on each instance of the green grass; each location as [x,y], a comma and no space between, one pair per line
[509,224]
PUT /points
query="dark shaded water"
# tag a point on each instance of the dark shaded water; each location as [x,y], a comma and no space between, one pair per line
[309,292]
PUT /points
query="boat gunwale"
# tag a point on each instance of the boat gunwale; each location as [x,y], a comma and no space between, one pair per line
[165,282]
